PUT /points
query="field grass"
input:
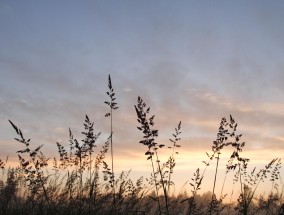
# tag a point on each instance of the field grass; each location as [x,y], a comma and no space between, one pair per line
[80,181]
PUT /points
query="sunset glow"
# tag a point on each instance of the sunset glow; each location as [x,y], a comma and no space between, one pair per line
[191,61]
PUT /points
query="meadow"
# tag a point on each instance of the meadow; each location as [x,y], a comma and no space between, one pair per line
[79,180]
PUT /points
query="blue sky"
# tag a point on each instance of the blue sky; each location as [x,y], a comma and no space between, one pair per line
[194,61]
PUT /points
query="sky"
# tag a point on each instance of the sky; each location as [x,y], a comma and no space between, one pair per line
[190,61]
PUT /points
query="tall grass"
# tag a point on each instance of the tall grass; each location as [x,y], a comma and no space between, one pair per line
[81,181]
[112,106]
[159,172]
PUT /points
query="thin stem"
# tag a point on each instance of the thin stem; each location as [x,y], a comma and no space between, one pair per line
[112,169]
[232,193]
[223,184]
[156,186]
[91,191]
[216,170]
[112,104]
[171,169]
[242,191]
[162,181]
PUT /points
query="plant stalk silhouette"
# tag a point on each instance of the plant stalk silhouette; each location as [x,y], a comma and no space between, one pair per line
[171,161]
[113,106]
[149,140]
[33,167]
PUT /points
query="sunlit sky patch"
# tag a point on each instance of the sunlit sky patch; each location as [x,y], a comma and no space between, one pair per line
[191,61]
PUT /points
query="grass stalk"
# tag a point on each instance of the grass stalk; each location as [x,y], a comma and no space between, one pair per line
[113,106]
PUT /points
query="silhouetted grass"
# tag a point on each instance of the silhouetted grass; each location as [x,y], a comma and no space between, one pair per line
[80,180]
[112,106]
